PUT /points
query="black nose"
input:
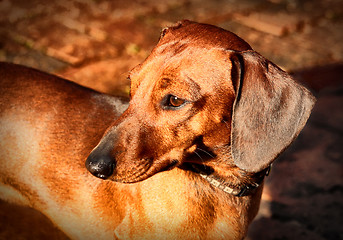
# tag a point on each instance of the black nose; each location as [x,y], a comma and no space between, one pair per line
[101,166]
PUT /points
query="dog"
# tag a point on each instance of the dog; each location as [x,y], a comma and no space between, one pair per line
[184,159]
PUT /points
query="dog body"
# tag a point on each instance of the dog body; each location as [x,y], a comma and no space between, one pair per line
[185,160]
[42,166]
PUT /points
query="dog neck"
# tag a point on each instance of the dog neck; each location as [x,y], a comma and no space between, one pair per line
[222,184]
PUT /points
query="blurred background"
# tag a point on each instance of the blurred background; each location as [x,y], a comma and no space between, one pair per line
[96,42]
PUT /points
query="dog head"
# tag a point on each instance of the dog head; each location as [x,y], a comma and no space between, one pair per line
[203,96]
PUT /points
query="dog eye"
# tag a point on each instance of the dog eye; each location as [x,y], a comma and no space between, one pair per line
[172,101]
[175,101]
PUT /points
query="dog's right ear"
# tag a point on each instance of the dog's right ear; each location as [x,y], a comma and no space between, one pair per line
[269,111]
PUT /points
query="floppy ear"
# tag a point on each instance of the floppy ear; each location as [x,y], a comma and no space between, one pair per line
[269,111]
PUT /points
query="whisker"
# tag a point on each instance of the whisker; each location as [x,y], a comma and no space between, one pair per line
[227,125]
[206,152]
[202,160]
[199,156]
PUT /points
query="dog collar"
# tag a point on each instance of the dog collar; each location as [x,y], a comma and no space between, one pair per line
[239,192]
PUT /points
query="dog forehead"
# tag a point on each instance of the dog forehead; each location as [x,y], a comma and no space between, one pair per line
[203,35]
[193,68]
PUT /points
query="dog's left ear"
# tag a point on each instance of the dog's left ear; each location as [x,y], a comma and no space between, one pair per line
[269,111]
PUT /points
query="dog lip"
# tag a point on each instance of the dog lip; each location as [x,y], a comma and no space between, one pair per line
[173,164]
[198,168]
[141,173]
[147,170]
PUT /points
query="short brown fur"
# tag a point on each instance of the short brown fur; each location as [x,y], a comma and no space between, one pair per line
[150,153]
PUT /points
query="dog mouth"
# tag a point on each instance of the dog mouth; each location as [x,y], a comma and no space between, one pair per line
[146,169]
[135,174]
[197,168]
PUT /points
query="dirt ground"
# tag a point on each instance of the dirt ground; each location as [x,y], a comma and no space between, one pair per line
[96,42]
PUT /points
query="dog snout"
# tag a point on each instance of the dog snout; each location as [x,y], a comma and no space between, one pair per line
[100,165]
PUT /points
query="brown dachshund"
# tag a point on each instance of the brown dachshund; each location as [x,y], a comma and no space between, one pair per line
[186,160]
